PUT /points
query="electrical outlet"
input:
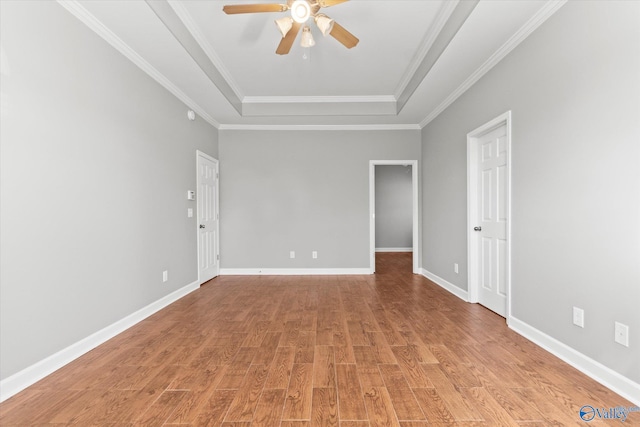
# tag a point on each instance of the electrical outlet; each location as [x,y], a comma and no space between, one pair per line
[622,334]
[455,268]
[292,254]
[578,317]
[314,254]
[165,276]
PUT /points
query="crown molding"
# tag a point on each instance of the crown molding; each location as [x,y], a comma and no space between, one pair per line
[317,99]
[321,127]
[192,47]
[317,105]
[443,16]
[447,33]
[82,14]
[525,31]
[264,106]
[198,35]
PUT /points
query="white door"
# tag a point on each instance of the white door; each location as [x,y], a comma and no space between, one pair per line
[208,215]
[491,216]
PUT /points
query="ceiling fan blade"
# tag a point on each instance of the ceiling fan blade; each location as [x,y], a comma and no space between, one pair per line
[254,8]
[287,41]
[328,3]
[343,36]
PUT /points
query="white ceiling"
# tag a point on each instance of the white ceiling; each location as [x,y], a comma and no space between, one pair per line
[414,57]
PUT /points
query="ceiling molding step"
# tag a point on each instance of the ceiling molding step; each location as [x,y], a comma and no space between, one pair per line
[545,12]
[449,30]
[320,127]
[443,16]
[174,24]
[84,16]
[198,35]
[317,99]
[319,106]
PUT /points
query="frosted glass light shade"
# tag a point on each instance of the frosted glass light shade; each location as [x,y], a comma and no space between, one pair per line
[307,38]
[324,23]
[284,25]
[300,11]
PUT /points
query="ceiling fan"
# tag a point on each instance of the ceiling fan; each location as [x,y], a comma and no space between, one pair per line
[301,11]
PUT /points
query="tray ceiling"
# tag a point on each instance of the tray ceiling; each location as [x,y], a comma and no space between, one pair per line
[414,57]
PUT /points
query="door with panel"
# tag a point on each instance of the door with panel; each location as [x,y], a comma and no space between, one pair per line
[208,218]
[492,217]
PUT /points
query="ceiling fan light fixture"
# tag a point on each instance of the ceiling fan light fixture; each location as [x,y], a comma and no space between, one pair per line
[284,24]
[307,37]
[300,11]
[324,23]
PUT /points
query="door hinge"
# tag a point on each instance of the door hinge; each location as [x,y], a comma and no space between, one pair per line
[218,257]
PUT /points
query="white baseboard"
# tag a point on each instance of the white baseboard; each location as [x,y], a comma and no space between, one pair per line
[609,378]
[292,271]
[614,381]
[460,293]
[34,373]
[394,249]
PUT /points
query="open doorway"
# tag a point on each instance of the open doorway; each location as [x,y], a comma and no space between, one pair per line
[393,196]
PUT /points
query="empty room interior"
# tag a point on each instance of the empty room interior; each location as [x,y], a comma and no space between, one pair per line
[373,213]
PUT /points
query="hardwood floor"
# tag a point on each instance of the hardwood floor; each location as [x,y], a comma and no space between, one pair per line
[387,350]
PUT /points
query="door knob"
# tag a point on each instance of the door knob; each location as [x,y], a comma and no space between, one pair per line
[201,225]
[474,228]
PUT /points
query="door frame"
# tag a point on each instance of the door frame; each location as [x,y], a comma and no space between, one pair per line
[197,224]
[415,211]
[473,212]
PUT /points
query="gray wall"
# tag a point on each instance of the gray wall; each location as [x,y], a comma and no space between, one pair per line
[96,160]
[574,92]
[394,207]
[301,191]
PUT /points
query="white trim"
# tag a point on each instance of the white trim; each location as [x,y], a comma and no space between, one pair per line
[320,127]
[30,375]
[443,16]
[415,210]
[394,249]
[77,10]
[292,271]
[609,378]
[317,99]
[472,207]
[530,26]
[198,210]
[198,35]
[460,293]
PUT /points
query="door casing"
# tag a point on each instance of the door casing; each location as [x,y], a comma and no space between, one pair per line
[473,255]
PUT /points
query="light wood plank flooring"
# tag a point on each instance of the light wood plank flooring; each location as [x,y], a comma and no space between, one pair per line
[391,349]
